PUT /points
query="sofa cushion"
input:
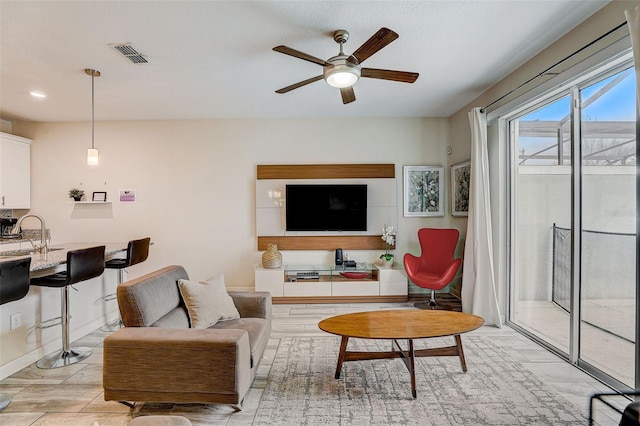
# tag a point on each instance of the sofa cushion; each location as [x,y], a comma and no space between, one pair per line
[146,299]
[207,302]
[177,318]
[224,302]
[200,300]
[259,330]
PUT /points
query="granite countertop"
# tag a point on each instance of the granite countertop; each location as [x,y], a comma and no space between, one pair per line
[25,236]
[14,240]
[54,260]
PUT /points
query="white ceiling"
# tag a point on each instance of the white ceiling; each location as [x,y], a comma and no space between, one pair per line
[213,59]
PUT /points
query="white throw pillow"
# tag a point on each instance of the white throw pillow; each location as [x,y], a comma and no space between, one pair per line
[200,300]
[207,302]
[224,302]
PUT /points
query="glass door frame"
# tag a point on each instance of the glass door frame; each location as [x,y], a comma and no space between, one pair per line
[508,125]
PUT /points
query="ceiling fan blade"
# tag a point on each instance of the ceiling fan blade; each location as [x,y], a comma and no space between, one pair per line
[301,55]
[377,41]
[348,95]
[402,76]
[299,84]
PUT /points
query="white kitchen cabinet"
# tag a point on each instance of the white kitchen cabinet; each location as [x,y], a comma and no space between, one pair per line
[15,172]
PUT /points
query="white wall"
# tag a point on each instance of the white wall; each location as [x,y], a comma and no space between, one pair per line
[195,180]
[195,187]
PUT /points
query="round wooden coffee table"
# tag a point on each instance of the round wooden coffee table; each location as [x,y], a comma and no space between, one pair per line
[401,324]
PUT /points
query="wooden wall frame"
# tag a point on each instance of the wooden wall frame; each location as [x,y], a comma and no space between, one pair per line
[346,242]
[325,171]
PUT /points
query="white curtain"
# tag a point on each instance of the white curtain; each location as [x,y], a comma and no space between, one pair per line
[633,20]
[478,282]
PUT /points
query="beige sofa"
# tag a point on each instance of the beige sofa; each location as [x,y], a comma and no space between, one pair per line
[156,357]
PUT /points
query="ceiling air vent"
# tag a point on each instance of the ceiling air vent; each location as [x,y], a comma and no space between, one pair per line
[130,53]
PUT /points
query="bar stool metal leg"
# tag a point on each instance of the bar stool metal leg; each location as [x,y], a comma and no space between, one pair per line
[67,355]
[117,323]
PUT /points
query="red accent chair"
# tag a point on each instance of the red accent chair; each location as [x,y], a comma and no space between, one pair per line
[436,267]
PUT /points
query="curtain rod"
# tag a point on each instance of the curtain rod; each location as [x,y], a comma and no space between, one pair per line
[483,109]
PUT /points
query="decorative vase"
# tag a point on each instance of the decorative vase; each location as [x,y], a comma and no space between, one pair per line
[272,258]
[77,198]
[386,264]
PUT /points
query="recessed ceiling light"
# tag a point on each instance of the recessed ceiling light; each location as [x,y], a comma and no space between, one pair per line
[36,94]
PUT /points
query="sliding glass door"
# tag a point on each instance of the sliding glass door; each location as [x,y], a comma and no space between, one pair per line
[573,216]
[542,204]
[608,208]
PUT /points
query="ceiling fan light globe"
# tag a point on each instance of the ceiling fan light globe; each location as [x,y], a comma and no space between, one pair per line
[341,79]
[341,73]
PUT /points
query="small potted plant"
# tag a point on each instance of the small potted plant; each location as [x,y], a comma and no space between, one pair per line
[76,194]
[389,237]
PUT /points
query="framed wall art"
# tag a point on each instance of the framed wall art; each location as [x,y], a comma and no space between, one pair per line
[423,191]
[127,195]
[99,196]
[460,180]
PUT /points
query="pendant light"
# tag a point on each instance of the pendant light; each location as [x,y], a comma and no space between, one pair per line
[92,153]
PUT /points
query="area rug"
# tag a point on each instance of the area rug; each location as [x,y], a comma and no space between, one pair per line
[496,390]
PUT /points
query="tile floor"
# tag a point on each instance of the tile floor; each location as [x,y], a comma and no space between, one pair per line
[73,395]
[608,332]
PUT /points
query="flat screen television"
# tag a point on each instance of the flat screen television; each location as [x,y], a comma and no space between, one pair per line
[326,207]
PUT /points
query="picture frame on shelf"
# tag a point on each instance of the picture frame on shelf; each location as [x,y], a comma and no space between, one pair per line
[424,191]
[460,181]
[99,196]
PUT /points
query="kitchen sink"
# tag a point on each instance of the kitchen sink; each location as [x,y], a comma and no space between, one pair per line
[24,252]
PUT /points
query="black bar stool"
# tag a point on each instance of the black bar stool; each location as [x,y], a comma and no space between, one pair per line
[14,285]
[137,252]
[82,265]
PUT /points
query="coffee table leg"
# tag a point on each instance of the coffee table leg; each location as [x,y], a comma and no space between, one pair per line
[463,363]
[412,369]
[341,355]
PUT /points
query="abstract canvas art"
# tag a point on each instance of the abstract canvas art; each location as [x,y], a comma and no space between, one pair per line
[423,191]
[460,180]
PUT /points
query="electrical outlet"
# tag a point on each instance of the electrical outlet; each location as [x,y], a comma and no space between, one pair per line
[16,320]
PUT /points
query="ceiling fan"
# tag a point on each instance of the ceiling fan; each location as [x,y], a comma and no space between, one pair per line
[343,71]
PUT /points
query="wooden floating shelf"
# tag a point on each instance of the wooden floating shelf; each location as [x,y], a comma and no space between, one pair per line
[326,171]
[347,242]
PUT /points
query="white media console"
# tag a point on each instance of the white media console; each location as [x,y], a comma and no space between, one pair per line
[328,284]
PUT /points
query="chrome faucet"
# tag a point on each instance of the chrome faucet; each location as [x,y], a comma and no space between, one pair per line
[43,232]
